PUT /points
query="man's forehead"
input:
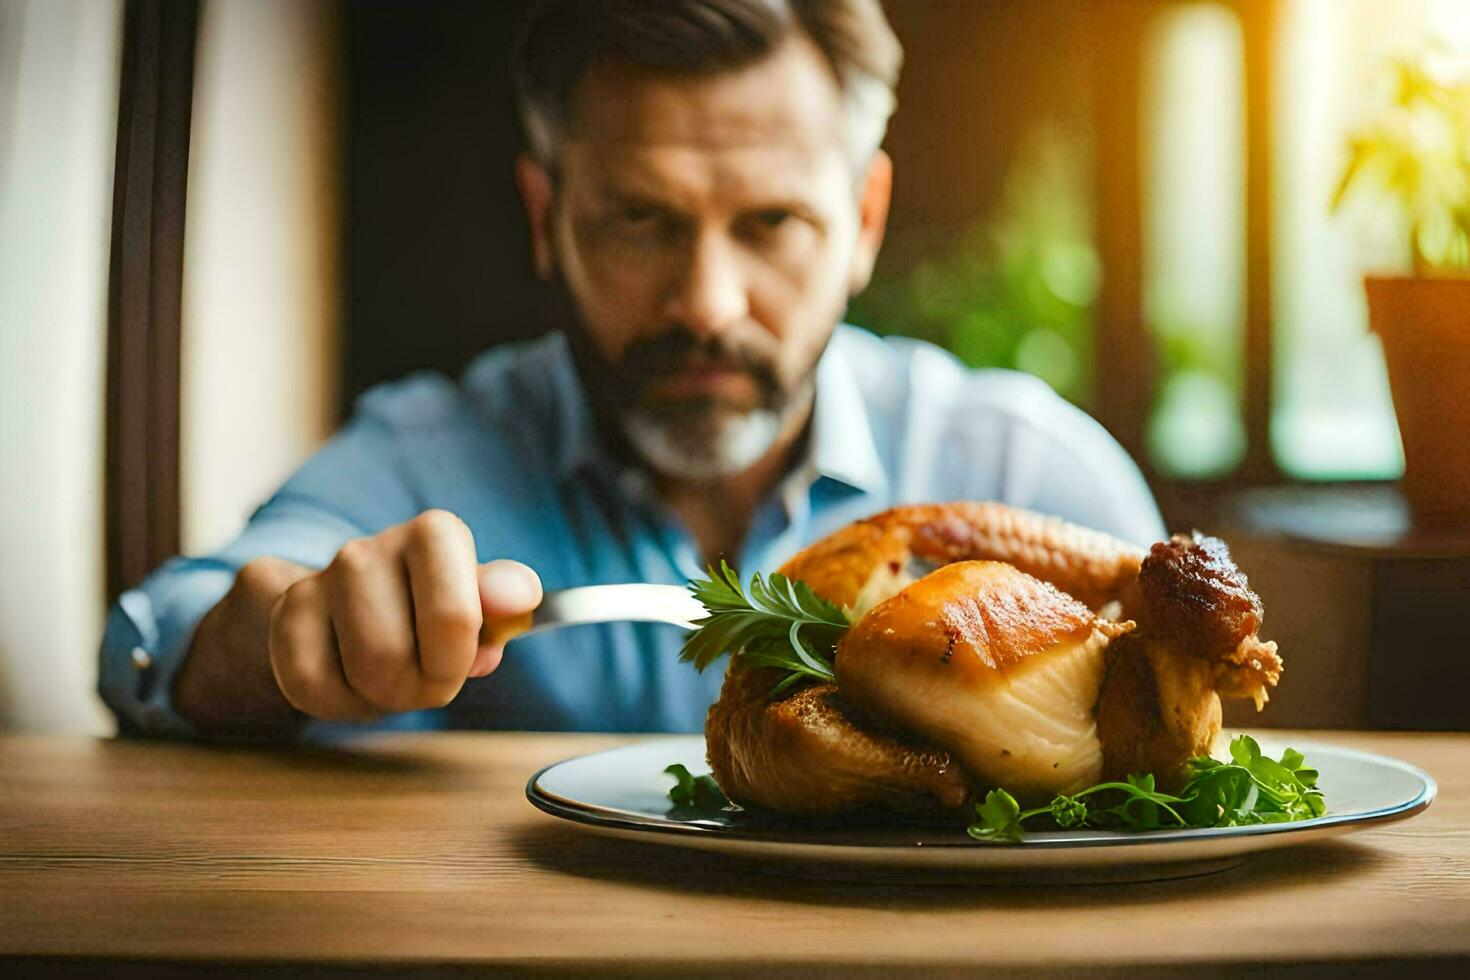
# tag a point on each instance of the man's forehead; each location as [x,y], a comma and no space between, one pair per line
[788,101]
[688,175]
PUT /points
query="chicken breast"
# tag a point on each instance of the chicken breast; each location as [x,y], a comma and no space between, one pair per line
[995,666]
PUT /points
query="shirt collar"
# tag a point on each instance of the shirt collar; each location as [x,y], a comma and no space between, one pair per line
[841,444]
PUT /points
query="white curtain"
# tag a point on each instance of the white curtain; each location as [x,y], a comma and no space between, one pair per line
[59,62]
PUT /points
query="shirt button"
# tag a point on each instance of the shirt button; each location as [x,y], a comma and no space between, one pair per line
[141,658]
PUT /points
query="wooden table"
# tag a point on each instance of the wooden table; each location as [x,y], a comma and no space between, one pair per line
[419,853]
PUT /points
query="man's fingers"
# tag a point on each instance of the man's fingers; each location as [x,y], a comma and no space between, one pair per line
[394,623]
[304,661]
[366,595]
[440,555]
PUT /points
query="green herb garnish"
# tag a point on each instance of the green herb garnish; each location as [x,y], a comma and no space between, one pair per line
[695,792]
[781,624]
[1249,789]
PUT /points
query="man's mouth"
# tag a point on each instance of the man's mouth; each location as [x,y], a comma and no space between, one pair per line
[709,379]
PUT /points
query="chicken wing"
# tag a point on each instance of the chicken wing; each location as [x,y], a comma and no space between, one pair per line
[1197,640]
[869,560]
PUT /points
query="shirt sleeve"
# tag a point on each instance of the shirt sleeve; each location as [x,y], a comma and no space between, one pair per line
[1024,444]
[1109,492]
[350,488]
[1071,466]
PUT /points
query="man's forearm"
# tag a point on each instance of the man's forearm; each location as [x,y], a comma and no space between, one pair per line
[225,686]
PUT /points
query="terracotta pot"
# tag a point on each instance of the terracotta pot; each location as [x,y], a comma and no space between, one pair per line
[1425,327]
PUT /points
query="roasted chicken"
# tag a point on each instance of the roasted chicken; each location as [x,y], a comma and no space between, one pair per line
[992,646]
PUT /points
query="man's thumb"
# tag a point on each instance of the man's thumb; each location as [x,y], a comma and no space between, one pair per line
[509,591]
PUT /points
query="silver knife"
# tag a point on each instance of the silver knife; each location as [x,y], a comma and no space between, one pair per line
[635,602]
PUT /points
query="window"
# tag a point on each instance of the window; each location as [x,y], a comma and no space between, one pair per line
[1334,417]
[1331,414]
[1193,200]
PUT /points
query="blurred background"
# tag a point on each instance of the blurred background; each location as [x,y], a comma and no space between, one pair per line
[1131,199]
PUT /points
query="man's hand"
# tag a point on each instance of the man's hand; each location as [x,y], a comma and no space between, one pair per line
[393,624]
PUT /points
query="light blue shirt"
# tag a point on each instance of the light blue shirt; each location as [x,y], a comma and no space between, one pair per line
[512,450]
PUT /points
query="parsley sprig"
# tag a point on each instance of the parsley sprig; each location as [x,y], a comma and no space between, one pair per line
[782,623]
[691,792]
[1251,788]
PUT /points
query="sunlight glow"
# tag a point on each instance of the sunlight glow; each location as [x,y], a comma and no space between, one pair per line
[1194,246]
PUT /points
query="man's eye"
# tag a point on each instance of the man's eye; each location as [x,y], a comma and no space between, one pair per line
[768,226]
[637,216]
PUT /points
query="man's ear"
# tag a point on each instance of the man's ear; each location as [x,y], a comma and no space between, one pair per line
[872,220]
[536,189]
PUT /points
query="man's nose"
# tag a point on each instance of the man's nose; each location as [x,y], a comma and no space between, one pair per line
[711,294]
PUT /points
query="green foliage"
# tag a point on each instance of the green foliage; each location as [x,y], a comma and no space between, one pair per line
[1249,789]
[1415,155]
[691,792]
[781,624]
[1014,291]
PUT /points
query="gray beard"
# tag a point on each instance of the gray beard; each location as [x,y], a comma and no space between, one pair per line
[719,448]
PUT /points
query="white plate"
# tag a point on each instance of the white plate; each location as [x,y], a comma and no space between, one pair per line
[623,792]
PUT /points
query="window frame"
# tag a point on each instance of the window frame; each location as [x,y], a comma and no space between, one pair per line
[1127,364]
[145,287]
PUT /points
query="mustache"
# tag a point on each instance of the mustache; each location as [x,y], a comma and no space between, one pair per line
[678,349]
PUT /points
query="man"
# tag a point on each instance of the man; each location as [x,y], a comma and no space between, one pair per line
[703,179]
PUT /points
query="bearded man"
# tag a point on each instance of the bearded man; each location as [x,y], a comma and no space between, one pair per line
[704,181]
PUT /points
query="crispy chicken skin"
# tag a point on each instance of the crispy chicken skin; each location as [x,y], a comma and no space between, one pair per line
[994,665]
[804,755]
[1092,567]
[1192,588]
[1160,703]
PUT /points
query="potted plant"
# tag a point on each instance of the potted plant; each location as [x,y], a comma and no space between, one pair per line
[1416,156]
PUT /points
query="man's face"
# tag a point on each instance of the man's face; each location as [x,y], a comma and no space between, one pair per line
[710,230]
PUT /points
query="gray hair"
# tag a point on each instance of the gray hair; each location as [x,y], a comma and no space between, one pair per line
[562,38]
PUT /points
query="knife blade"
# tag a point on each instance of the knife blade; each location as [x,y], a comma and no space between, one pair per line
[631,602]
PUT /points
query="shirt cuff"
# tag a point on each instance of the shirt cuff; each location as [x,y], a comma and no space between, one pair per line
[148,635]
